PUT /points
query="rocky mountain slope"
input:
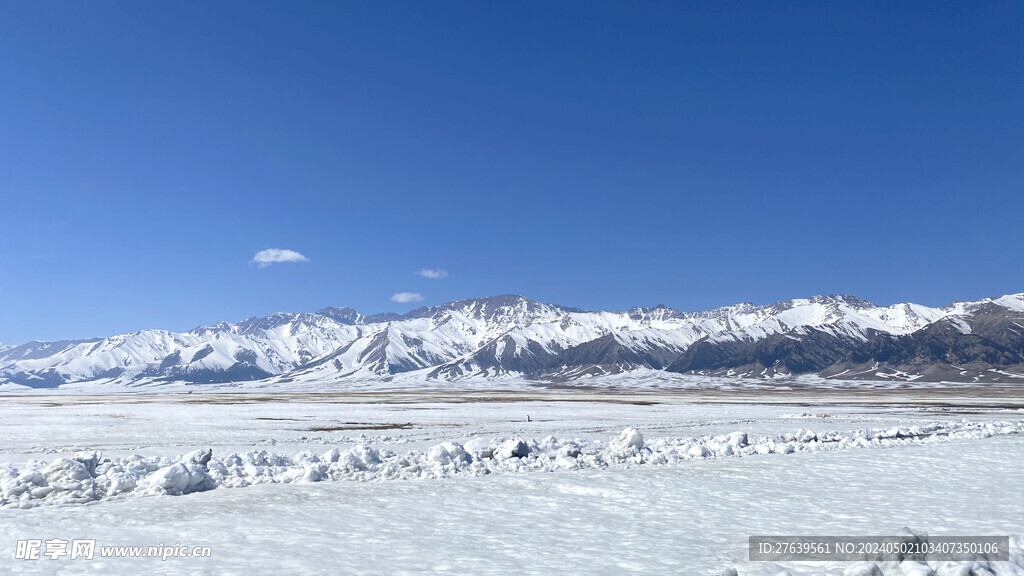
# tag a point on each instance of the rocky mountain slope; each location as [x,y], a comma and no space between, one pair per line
[833,336]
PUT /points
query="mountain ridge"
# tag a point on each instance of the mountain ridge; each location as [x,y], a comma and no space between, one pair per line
[834,336]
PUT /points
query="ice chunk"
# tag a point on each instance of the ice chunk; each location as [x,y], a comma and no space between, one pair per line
[566,463]
[629,439]
[569,450]
[439,454]
[863,569]
[737,439]
[457,453]
[910,568]
[174,479]
[947,568]
[200,457]
[64,472]
[89,459]
[698,451]
[480,447]
[332,455]
[360,457]
[513,448]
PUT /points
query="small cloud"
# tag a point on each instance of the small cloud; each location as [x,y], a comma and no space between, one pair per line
[403,297]
[265,258]
[433,273]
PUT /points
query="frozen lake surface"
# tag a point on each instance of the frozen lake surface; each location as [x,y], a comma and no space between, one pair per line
[690,516]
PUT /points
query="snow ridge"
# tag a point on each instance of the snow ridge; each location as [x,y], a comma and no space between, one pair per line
[87,477]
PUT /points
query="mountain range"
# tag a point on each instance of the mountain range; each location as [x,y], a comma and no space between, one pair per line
[839,337]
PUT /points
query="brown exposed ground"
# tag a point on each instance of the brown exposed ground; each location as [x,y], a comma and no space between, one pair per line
[1007,396]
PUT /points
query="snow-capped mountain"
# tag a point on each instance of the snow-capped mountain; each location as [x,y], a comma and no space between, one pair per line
[836,336]
[853,339]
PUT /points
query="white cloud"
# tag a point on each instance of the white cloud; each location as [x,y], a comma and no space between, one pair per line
[433,273]
[403,297]
[265,258]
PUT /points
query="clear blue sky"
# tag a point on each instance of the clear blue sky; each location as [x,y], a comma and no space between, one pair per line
[601,155]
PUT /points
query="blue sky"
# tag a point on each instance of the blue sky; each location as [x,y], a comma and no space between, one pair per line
[595,154]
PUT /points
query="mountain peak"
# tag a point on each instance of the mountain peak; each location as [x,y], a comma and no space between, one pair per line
[342,315]
[824,300]
[492,307]
[854,301]
[221,326]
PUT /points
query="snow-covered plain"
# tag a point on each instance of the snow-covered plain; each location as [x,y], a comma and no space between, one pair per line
[605,481]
